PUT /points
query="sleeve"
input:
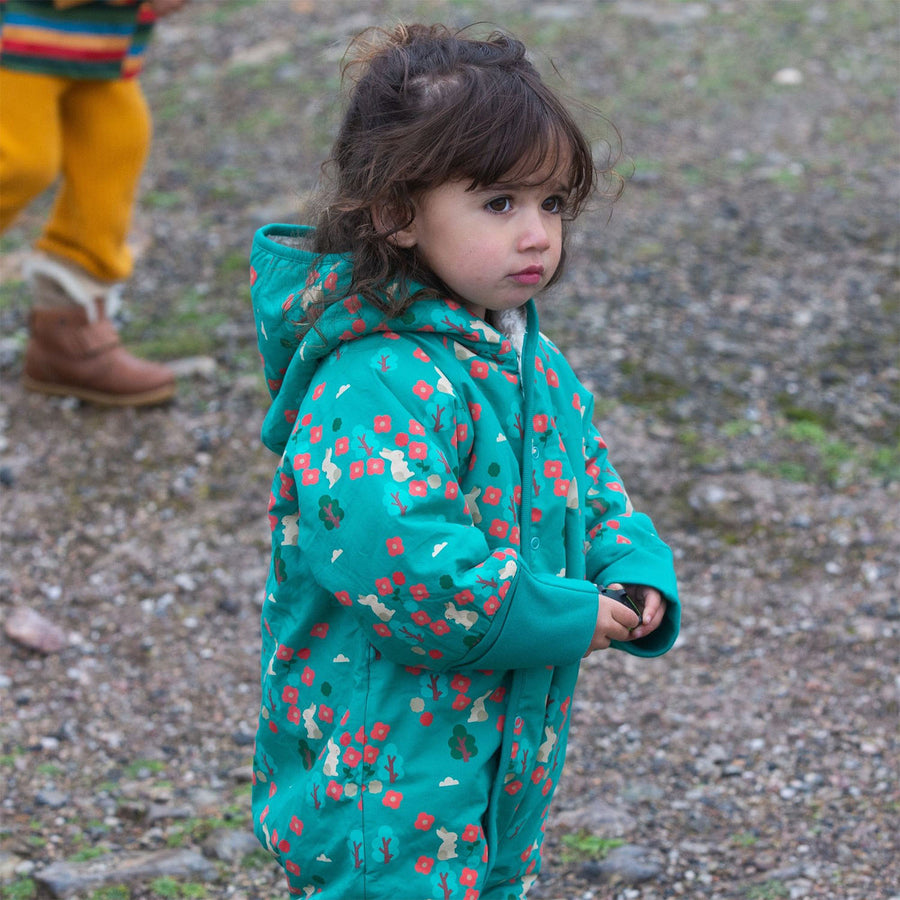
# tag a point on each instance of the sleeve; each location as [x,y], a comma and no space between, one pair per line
[623,545]
[385,526]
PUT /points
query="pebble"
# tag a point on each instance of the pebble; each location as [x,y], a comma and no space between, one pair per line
[35,631]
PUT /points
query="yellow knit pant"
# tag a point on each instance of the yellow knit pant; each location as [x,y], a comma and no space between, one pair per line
[96,135]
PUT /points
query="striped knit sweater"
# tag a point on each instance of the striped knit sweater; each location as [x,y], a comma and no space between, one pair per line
[103,39]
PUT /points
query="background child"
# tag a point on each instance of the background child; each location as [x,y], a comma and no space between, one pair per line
[444,513]
[70,105]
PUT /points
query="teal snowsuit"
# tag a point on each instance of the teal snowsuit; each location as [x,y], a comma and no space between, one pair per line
[441,519]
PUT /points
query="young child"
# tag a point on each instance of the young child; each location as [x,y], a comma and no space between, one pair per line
[72,110]
[444,515]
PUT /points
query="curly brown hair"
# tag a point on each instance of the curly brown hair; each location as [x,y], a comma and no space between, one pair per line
[429,105]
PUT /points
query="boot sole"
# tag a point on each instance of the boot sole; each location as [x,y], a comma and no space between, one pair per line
[99,398]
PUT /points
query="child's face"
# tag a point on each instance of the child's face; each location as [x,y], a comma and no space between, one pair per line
[494,247]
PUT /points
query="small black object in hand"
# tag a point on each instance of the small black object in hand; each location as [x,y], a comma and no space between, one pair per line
[623,597]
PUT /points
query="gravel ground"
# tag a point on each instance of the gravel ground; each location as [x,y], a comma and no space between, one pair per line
[738,317]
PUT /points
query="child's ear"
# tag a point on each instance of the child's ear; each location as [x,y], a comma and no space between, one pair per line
[385,223]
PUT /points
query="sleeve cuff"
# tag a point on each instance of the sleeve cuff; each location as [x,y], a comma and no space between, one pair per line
[546,620]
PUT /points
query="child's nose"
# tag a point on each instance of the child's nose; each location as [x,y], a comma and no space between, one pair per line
[535,234]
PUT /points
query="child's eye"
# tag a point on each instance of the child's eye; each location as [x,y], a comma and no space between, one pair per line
[499,205]
[554,204]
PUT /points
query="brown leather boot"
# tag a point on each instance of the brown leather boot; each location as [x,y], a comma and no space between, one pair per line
[68,355]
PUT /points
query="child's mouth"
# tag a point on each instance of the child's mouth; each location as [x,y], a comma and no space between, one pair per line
[531,275]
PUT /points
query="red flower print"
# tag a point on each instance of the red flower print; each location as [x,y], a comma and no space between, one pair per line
[326,713]
[561,487]
[308,676]
[464,597]
[472,894]
[424,864]
[418,450]
[552,378]
[513,787]
[341,446]
[301,460]
[382,423]
[284,653]
[492,495]
[292,867]
[552,468]
[374,466]
[475,411]
[315,434]
[394,546]
[499,528]
[352,304]
[491,605]
[334,790]
[419,592]
[418,488]
[461,701]
[317,391]
[471,833]
[289,694]
[319,630]
[538,775]
[540,423]
[296,825]
[399,578]
[460,683]
[468,877]
[384,586]
[462,430]
[479,369]
[379,731]
[401,438]
[420,617]
[451,491]
[422,389]
[310,476]
[426,718]
[343,598]
[424,821]
[416,427]
[393,799]
[440,627]
[293,715]
[352,757]
[370,754]
[382,629]
[329,283]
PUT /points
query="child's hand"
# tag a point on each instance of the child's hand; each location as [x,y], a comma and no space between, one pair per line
[654,609]
[616,622]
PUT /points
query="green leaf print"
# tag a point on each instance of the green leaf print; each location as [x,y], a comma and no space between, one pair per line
[330,512]
[462,744]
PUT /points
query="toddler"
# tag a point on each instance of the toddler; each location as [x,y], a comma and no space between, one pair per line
[444,516]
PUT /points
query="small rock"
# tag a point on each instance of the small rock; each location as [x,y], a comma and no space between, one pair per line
[52,797]
[789,77]
[230,844]
[35,631]
[628,864]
